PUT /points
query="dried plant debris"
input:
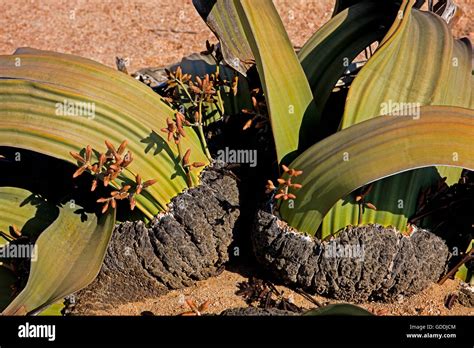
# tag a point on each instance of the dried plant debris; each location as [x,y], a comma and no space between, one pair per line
[466,295]
[69,305]
[466,259]
[195,310]
[122,64]
[263,294]
[254,311]
[450,301]
[362,263]
[190,242]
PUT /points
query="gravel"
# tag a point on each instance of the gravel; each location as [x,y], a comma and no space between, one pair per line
[148,33]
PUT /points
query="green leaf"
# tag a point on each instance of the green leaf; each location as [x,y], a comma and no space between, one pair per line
[327,54]
[222,18]
[403,70]
[338,309]
[53,310]
[395,198]
[403,74]
[30,213]
[287,92]
[70,253]
[346,161]
[342,5]
[33,86]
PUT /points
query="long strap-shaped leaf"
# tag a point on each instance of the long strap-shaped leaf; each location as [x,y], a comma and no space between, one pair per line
[402,75]
[222,18]
[29,213]
[287,92]
[341,5]
[329,51]
[403,69]
[69,255]
[22,210]
[33,84]
[375,149]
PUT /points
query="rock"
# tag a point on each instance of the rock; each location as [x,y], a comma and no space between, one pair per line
[187,243]
[382,263]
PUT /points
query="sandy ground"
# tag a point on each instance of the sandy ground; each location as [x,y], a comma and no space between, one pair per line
[220,292]
[159,32]
[147,32]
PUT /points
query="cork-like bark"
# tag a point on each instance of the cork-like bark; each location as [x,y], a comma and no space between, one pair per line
[187,243]
[362,263]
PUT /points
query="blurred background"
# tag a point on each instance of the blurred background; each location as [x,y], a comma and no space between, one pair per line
[147,32]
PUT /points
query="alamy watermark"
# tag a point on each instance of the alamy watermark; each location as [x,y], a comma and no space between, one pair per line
[351,251]
[71,107]
[393,108]
[19,251]
[28,330]
[238,156]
